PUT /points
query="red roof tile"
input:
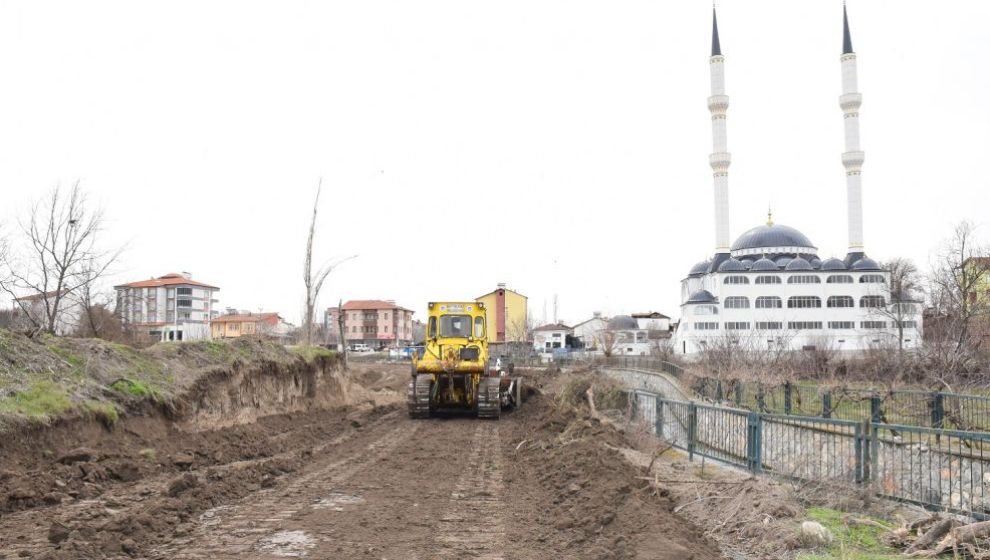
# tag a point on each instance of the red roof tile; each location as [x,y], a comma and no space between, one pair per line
[251,318]
[46,295]
[359,304]
[170,279]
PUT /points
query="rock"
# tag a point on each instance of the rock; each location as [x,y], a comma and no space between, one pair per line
[53,498]
[268,481]
[573,487]
[129,546]
[77,455]
[183,460]
[58,533]
[815,534]
[126,472]
[181,484]
[355,424]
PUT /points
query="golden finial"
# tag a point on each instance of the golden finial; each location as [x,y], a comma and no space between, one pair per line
[769,216]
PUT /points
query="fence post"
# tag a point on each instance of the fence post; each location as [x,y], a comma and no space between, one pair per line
[658,416]
[761,398]
[634,405]
[692,429]
[860,471]
[754,442]
[827,404]
[787,397]
[718,390]
[739,393]
[938,410]
[875,409]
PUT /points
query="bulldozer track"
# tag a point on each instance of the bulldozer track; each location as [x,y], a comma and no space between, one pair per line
[473,524]
[489,404]
[239,528]
[418,396]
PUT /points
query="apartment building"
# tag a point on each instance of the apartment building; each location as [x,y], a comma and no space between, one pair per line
[377,323]
[170,307]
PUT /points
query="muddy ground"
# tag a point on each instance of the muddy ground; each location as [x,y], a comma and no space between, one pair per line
[361,481]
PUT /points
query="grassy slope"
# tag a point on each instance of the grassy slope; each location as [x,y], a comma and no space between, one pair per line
[46,377]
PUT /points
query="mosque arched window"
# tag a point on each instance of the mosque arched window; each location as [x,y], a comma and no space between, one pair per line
[871,279]
[768,280]
[706,310]
[768,302]
[840,301]
[737,302]
[736,280]
[839,279]
[804,302]
[804,279]
[872,301]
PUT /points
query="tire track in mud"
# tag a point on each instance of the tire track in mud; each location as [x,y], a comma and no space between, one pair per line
[473,524]
[258,523]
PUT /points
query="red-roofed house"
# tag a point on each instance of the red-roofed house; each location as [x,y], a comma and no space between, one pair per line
[32,311]
[233,325]
[377,323]
[170,307]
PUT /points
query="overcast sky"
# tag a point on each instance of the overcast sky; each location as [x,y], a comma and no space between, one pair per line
[559,147]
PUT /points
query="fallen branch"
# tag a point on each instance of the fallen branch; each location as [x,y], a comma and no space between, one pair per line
[932,535]
[694,481]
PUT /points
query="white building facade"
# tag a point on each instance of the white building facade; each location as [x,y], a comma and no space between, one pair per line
[770,289]
[170,307]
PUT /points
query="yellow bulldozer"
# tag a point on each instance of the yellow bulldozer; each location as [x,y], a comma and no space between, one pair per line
[454,372]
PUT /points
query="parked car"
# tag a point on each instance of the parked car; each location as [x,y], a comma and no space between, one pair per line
[360,347]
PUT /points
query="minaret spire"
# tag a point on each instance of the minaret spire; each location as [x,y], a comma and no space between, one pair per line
[852,158]
[719,159]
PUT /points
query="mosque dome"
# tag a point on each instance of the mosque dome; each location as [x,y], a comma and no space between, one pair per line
[798,264]
[764,264]
[865,263]
[833,264]
[700,268]
[732,265]
[701,296]
[773,236]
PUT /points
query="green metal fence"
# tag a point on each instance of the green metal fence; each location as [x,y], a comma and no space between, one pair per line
[933,409]
[940,469]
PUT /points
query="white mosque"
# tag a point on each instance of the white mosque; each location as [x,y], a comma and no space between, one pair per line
[769,289]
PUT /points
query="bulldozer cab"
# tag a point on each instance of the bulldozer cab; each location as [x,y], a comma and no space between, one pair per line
[455,337]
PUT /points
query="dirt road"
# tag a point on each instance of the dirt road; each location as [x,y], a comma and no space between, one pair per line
[370,483]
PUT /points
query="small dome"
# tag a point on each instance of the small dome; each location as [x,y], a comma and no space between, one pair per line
[700,268]
[764,264]
[783,260]
[622,323]
[798,264]
[865,263]
[816,263]
[775,235]
[748,263]
[701,296]
[833,264]
[731,265]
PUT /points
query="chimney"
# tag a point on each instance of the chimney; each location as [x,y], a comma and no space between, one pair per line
[597,315]
[501,285]
[187,275]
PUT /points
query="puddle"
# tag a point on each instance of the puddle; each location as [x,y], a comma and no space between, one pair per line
[336,501]
[290,544]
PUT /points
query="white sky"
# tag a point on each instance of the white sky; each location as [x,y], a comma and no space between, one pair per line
[560,147]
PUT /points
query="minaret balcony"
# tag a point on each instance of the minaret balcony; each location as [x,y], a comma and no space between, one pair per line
[718,104]
[850,102]
[853,161]
[720,161]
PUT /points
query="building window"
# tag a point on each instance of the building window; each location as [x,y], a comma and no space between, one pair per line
[839,279]
[736,326]
[841,325]
[871,279]
[872,301]
[841,301]
[804,302]
[907,324]
[737,302]
[769,325]
[706,326]
[768,280]
[804,279]
[906,308]
[873,324]
[183,302]
[804,325]
[768,302]
[386,328]
[706,310]
[736,280]
[184,291]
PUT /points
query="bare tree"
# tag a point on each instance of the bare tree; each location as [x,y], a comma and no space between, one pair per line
[314,280]
[62,257]
[958,311]
[904,291]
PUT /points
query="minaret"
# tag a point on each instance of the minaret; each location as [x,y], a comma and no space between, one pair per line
[852,158]
[719,159]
